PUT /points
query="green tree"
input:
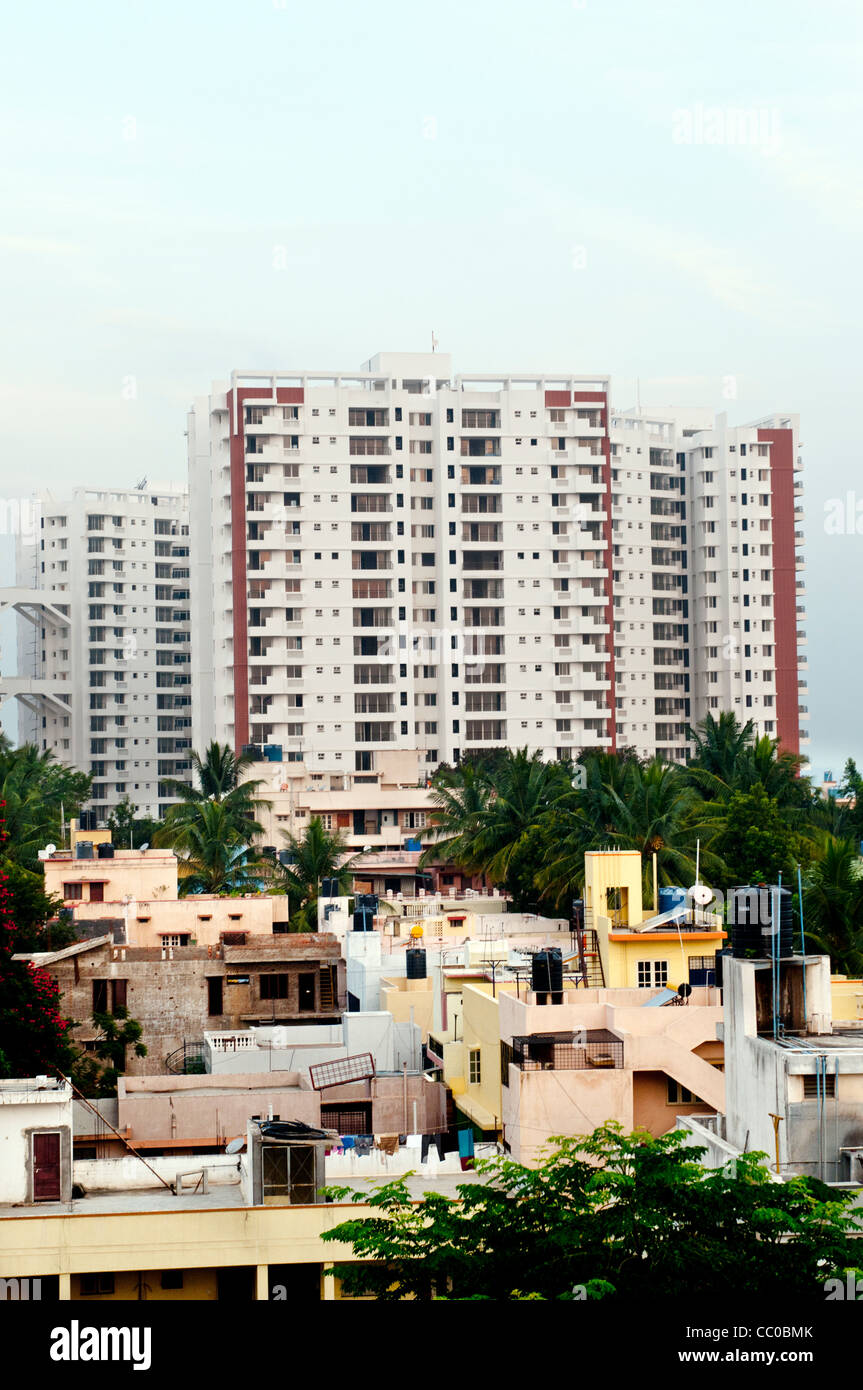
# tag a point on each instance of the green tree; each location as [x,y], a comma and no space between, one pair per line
[626,804]
[96,1073]
[220,784]
[319,854]
[754,841]
[214,856]
[128,829]
[610,1216]
[34,1038]
[719,745]
[39,794]
[833,907]
[487,818]
[34,912]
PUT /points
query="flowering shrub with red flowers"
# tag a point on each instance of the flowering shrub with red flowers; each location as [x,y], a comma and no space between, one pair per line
[33,1035]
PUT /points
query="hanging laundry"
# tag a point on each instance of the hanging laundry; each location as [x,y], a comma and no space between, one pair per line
[465,1143]
[387,1143]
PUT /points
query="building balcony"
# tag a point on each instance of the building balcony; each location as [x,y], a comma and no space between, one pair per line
[600,1050]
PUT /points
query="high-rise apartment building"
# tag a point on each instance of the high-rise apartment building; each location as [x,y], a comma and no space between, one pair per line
[708,590]
[104,672]
[400,558]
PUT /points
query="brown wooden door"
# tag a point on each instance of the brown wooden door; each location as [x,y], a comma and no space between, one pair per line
[46,1167]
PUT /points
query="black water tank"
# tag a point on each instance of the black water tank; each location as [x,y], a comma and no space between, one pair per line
[87,820]
[330,889]
[105,851]
[416,964]
[719,976]
[365,907]
[577,918]
[546,975]
[84,849]
[752,912]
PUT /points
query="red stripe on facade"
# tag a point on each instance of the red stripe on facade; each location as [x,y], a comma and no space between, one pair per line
[558,398]
[609,563]
[781,443]
[285,395]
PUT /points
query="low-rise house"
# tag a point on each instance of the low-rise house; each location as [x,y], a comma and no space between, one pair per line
[134,895]
[624,948]
[794,1075]
[177,993]
[35,1140]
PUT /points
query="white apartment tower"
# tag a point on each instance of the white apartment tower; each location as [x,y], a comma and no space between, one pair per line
[108,689]
[403,559]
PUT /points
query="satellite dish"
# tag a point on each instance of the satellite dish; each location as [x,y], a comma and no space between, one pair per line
[684,990]
[147,846]
[234,1145]
[50,849]
[701,894]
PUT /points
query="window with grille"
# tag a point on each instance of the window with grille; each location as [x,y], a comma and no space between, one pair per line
[811,1089]
[288,1173]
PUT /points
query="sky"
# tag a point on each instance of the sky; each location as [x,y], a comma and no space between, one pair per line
[667,193]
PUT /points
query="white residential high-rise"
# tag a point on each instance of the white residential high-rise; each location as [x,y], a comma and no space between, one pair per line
[104,671]
[398,558]
[708,593]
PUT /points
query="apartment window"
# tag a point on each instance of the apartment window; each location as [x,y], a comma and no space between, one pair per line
[93,1284]
[274,986]
[679,1095]
[475,1066]
[652,974]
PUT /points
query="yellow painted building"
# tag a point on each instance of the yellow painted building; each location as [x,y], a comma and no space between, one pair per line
[472,1061]
[633,954]
[847,998]
[197,1252]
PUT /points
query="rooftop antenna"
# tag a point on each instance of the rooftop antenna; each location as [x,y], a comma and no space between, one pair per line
[434,342]
[139,487]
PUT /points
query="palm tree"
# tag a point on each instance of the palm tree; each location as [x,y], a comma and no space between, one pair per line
[215,857]
[34,786]
[460,795]
[219,783]
[487,819]
[318,855]
[833,907]
[218,772]
[719,746]
[643,806]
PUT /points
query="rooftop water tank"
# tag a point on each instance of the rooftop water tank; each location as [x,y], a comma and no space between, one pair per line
[546,975]
[757,913]
[416,964]
[671,897]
